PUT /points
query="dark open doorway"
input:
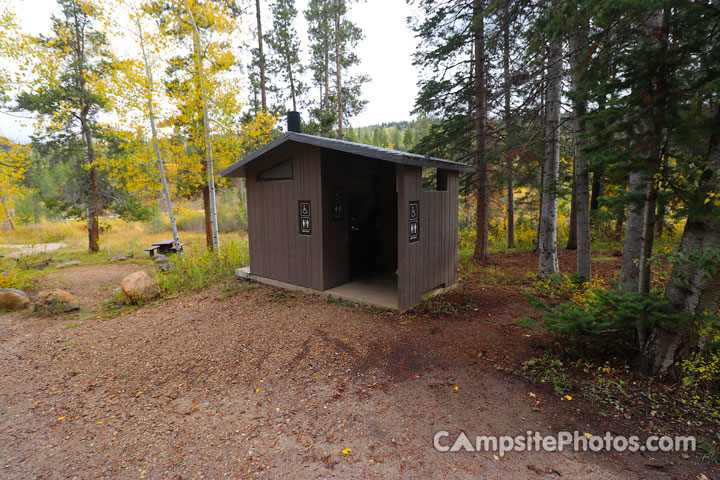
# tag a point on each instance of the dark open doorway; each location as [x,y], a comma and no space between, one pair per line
[372,211]
[364,225]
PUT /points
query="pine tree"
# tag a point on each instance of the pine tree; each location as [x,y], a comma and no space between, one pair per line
[333,40]
[72,63]
[285,47]
[452,42]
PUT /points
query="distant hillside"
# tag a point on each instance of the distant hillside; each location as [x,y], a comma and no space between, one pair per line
[402,135]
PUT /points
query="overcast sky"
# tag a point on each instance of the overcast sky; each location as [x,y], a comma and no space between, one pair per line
[385,53]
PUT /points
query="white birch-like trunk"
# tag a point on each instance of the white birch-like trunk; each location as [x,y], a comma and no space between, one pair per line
[156,146]
[208,142]
[547,234]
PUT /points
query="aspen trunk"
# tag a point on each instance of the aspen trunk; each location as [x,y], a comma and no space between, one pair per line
[156,145]
[632,242]
[211,233]
[547,235]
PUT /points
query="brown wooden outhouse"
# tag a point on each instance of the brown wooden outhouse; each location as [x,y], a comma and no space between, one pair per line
[351,220]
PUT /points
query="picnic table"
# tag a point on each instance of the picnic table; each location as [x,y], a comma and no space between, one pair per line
[164,247]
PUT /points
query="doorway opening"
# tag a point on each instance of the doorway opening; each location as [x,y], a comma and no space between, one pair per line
[372,211]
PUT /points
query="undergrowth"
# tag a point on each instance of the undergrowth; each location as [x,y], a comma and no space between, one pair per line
[198,268]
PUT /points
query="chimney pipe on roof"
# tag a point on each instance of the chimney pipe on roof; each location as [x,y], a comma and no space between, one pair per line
[293,122]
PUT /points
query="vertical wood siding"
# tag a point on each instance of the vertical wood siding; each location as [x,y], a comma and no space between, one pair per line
[431,261]
[277,250]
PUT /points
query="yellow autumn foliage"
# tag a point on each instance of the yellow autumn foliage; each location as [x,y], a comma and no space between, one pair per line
[14,162]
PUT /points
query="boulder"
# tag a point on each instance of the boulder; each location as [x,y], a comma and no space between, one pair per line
[139,286]
[160,258]
[68,264]
[56,301]
[119,258]
[11,299]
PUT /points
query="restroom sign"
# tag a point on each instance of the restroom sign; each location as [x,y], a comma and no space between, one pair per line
[337,203]
[414,219]
[305,217]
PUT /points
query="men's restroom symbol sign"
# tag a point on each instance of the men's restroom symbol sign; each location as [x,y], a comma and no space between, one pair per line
[305,218]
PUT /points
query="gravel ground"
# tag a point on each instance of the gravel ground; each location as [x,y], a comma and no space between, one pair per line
[271,384]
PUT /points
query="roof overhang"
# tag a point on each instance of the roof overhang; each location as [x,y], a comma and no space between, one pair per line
[385,154]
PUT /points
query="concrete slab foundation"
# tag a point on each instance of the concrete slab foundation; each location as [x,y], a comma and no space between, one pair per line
[380,290]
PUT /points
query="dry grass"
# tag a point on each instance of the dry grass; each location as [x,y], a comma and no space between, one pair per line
[117,236]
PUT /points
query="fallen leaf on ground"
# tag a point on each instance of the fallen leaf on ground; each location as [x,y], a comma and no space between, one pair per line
[347,451]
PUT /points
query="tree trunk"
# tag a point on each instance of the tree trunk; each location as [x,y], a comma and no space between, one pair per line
[213,240]
[7,213]
[93,224]
[660,216]
[597,189]
[208,219]
[632,243]
[481,239]
[619,223]
[338,67]
[657,28]
[578,44]
[547,244]
[292,89]
[572,230]
[691,288]
[93,220]
[261,56]
[508,129]
[156,146]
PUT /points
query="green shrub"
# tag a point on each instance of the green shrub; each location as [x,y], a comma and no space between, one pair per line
[199,268]
[132,209]
[604,316]
[546,369]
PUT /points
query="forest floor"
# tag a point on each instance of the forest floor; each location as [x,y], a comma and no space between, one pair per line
[244,380]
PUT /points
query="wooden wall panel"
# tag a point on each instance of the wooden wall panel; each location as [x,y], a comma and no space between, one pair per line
[277,250]
[431,261]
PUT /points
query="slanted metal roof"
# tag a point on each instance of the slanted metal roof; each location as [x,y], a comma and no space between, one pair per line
[394,156]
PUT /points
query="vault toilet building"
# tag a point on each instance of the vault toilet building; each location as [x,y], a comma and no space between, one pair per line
[350,220]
